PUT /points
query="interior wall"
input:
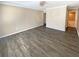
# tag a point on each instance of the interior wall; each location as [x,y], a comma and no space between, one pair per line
[78,21]
[1,21]
[56,18]
[75,18]
[66,18]
[16,19]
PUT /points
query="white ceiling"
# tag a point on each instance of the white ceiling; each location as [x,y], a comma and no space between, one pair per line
[48,4]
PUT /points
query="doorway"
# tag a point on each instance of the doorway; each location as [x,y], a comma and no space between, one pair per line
[71,20]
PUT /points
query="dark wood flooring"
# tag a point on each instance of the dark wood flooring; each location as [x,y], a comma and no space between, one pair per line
[41,42]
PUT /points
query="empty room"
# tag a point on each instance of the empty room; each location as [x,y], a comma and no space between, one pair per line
[39,28]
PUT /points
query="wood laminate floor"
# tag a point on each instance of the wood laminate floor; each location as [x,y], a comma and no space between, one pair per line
[41,42]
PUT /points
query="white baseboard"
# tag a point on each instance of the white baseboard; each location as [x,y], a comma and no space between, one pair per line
[19,31]
[56,28]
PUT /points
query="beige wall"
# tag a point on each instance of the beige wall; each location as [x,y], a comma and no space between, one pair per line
[78,21]
[56,17]
[16,19]
[1,30]
[76,18]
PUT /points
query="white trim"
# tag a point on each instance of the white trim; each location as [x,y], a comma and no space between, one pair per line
[56,28]
[19,31]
